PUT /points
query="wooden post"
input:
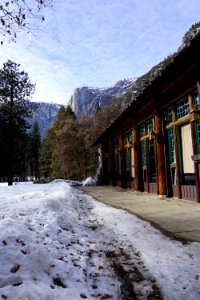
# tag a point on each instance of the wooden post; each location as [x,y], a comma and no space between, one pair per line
[122,160]
[112,163]
[138,186]
[196,168]
[105,162]
[198,87]
[178,175]
[161,169]
[196,165]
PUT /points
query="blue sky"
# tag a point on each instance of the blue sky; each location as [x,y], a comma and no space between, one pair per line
[98,42]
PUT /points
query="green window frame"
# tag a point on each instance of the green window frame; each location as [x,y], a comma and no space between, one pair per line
[117,157]
[142,130]
[182,108]
[129,136]
[195,99]
[197,131]
[125,139]
[146,127]
[169,118]
[127,159]
[171,145]
[143,152]
[149,126]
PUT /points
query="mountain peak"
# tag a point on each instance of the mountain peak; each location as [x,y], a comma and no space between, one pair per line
[85,100]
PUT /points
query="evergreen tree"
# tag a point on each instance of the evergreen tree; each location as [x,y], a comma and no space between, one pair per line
[64,113]
[46,154]
[76,158]
[66,151]
[15,92]
[34,151]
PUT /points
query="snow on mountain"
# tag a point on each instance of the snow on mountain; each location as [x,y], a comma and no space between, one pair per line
[86,100]
[45,115]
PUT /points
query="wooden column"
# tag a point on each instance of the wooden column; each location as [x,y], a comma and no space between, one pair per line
[138,182]
[112,162]
[196,167]
[178,175]
[161,168]
[122,160]
[105,162]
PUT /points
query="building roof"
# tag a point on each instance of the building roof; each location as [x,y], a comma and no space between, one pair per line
[184,57]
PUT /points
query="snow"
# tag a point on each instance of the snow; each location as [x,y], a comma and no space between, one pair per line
[89,181]
[58,243]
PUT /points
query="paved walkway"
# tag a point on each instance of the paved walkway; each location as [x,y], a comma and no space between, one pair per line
[176,218]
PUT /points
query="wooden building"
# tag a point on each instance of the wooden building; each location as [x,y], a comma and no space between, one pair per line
[154,145]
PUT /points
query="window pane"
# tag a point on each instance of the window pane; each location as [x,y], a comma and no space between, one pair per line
[127,160]
[171,145]
[195,99]
[198,137]
[129,135]
[182,109]
[169,117]
[142,130]
[149,126]
[143,150]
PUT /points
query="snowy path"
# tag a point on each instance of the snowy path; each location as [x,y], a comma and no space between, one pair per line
[57,243]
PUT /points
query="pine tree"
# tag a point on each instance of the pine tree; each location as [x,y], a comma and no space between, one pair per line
[15,92]
[34,151]
[46,154]
[64,113]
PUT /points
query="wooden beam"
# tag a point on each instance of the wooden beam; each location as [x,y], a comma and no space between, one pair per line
[112,162]
[196,165]
[138,186]
[122,160]
[161,168]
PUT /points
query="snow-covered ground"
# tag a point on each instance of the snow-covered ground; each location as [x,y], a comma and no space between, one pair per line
[58,243]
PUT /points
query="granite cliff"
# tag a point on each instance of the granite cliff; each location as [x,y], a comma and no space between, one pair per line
[86,100]
[45,115]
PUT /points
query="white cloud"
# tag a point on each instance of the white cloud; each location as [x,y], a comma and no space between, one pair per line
[98,42]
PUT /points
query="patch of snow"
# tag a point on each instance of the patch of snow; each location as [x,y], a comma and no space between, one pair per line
[89,181]
[58,243]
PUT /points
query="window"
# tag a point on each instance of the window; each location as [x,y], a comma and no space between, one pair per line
[117,157]
[172,157]
[182,108]
[128,138]
[169,119]
[197,130]
[127,159]
[142,130]
[195,99]
[149,126]
[146,128]
[143,150]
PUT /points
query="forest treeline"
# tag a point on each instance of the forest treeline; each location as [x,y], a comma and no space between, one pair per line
[65,152]
[19,144]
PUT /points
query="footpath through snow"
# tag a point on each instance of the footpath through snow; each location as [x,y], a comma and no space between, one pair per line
[58,243]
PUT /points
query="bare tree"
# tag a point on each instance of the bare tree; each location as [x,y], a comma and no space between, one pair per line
[15,15]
